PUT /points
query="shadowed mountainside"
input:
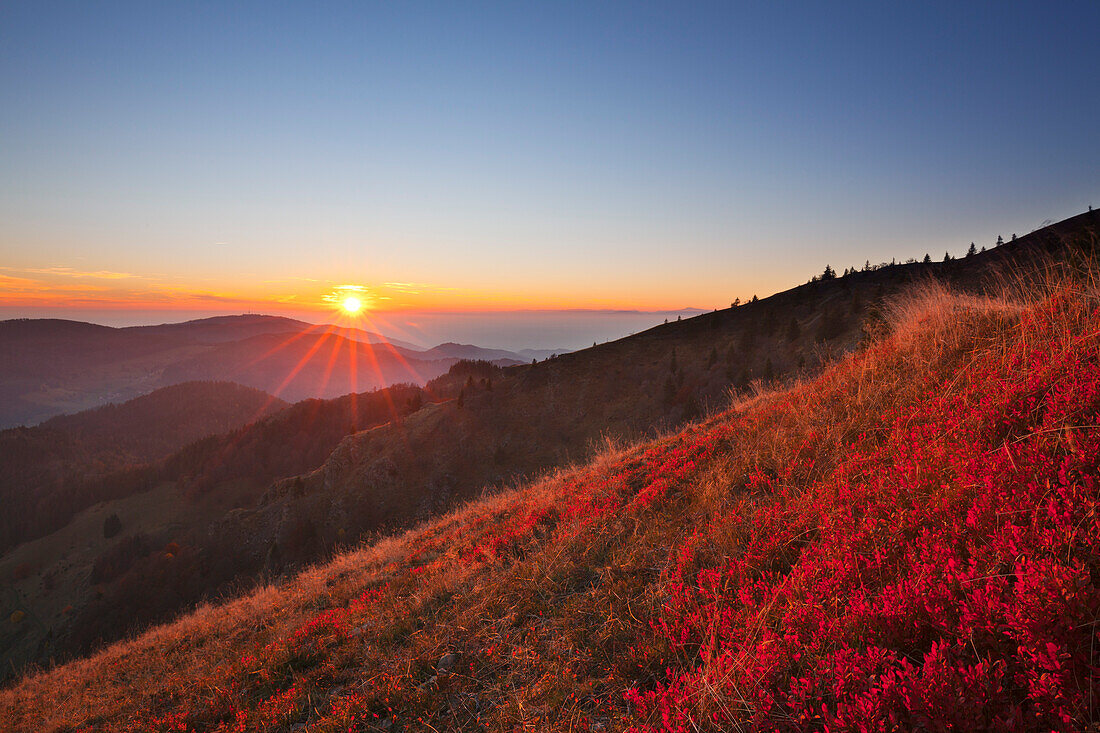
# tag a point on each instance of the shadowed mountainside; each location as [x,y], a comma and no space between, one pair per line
[50,472]
[152,426]
[76,583]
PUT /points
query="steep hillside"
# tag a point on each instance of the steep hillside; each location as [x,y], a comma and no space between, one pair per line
[46,472]
[475,429]
[908,540]
[483,427]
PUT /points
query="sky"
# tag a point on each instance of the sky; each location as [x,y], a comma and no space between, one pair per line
[167,160]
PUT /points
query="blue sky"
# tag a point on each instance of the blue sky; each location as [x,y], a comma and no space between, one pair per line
[521,155]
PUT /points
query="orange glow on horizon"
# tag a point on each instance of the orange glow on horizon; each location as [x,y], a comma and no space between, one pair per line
[45,289]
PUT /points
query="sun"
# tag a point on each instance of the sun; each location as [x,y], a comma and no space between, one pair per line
[351,305]
[349,300]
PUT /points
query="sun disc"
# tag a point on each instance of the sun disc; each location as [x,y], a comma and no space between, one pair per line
[351,305]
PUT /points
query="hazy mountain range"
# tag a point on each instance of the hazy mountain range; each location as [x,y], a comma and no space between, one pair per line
[50,367]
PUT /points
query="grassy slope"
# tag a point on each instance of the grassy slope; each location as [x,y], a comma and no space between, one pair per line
[534,418]
[909,539]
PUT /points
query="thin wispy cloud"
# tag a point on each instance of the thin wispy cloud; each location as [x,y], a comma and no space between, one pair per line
[14,287]
[414,288]
[73,272]
[54,287]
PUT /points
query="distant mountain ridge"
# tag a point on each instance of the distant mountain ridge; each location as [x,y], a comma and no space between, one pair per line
[451,350]
[220,329]
[53,366]
[217,329]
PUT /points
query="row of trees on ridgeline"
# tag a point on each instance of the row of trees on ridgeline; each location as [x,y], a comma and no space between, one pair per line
[830,273]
